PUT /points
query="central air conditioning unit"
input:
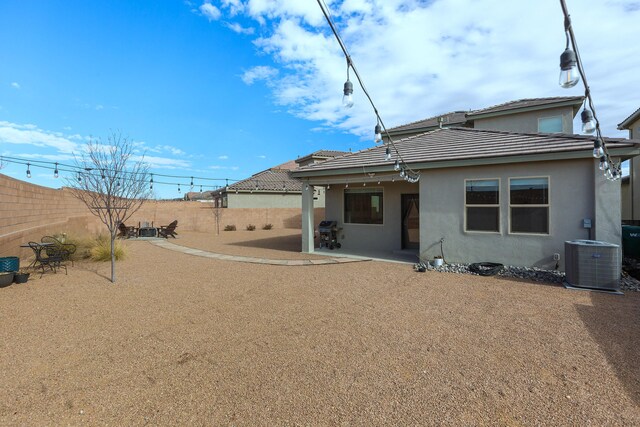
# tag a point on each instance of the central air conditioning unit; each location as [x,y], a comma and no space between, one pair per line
[592,264]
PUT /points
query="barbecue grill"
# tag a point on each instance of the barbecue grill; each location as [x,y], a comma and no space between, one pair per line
[328,232]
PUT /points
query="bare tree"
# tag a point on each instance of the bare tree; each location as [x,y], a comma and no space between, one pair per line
[217,211]
[112,182]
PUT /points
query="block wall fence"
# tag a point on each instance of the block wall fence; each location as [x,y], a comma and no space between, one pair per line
[28,212]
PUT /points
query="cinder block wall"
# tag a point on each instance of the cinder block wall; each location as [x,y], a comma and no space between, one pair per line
[28,212]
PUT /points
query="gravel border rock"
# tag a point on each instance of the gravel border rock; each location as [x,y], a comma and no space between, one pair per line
[627,283]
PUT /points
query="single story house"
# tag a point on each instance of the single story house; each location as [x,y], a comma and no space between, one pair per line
[484,195]
[272,188]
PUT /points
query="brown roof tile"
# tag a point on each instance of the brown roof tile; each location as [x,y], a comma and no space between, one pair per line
[526,103]
[453,144]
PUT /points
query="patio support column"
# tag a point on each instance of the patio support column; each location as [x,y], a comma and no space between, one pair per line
[608,216]
[307,218]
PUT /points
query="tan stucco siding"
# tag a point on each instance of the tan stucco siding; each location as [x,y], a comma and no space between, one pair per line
[571,197]
[526,122]
[363,237]
[257,200]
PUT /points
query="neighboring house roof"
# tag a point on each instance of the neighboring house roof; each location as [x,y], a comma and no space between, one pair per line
[527,104]
[464,118]
[269,180]
[290,165]
[627,122]
[320,155]
[467,146]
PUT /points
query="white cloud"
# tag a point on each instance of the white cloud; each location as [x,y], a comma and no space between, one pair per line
[422,58]
[15,85]
[163,162]
[262,157]
[217,167]
[210,11]
[29,134]
[234,26]
[223,157]
[259,72]
[233,6]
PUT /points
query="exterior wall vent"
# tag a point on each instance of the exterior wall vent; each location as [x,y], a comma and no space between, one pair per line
[592,264]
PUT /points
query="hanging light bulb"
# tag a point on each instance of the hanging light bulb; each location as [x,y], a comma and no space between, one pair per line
[402,173]
[588,124]
[603,164]
[347,99]
[608,173]
[378,133]
[201,189]
[28,170]
[598,152]
[178,188]
[102,174]
[569,75]
[396,167]
[364,184]
[191,185]
[151,183]
[347,185]
[118,183]
[387,155]
[328,186]
[79,177]
[55,171]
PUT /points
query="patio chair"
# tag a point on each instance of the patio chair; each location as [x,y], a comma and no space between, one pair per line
[168,230]
[126,232]
[66,250]
[52,259]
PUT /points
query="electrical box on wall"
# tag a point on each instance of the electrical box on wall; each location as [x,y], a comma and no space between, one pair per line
[586,223]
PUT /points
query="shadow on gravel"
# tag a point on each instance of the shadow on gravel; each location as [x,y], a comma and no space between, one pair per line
[280,243]
[613,322]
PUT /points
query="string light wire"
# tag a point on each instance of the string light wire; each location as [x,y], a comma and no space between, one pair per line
[414,175]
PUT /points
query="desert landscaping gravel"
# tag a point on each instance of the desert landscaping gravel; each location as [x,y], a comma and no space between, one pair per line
[187,340]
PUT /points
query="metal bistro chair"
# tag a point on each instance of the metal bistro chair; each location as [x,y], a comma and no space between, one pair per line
[66,249]
[53,259]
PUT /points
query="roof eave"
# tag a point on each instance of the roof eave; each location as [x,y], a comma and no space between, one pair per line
[623,152]
[575,104]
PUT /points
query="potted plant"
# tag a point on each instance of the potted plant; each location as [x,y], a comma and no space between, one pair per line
[21,276]
[437,261]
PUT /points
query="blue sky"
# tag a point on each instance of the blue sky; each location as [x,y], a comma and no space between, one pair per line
[225,89]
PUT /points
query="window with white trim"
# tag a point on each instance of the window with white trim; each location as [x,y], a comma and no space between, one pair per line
[482,205]
[363,205]
[529,205]
[550,124]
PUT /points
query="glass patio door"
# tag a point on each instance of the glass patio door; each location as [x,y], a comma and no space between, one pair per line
[410,221]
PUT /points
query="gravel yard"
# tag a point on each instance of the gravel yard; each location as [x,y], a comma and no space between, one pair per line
[184,340]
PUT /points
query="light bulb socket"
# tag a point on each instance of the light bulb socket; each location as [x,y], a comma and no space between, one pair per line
[568,59]
[348,87]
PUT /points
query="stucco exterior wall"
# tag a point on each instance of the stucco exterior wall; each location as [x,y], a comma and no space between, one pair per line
[272,200]
[625,194]
[571,197]
[526,122]
[365,237]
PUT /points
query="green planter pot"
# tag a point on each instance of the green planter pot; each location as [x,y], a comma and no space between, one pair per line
[9,263]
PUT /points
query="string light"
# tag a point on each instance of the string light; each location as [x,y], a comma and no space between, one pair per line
[588,124]
[179,188]
[151,182]
[28,170]
[55,172]
[378,133]
[572,71]
[387,155]
[191,185]
[348,91]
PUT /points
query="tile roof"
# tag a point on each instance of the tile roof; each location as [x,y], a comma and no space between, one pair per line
[269,180]
[527,103]
[632,118]
[455,118]
[320,154]
[452,118]
[458,144]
